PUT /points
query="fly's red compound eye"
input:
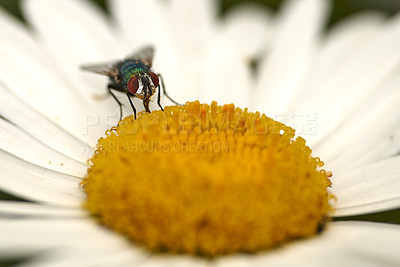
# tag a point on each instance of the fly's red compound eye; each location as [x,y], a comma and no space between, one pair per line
[154,79]
[133,85]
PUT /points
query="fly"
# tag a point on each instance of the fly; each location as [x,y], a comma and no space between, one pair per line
[134,77]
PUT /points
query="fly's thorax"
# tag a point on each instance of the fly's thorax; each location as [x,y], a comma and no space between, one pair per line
[129,67]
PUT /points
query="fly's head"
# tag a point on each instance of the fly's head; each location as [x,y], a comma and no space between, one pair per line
[143,85]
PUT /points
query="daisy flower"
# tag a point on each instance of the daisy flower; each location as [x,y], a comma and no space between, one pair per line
[339,91]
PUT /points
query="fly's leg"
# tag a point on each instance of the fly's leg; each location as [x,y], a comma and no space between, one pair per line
[159,98]
[165,92]
[115,87]
[133,107]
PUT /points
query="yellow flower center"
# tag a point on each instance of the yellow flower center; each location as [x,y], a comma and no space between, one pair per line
[207,180]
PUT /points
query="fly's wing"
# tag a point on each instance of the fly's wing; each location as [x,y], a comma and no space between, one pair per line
[144,55]
[108,69]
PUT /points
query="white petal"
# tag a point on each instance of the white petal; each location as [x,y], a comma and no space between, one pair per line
[27,119]
[193,23]
[342,244]
[369,244]
[73,30]
[228,77]
[336,50]
[34,235]
[194,30]
[76,33]
[284,70]
[174,261]
[31,81]
[37,183]
[25,209]
[373,188]
[16,32]
[247,27]
[142,22]
[30,75]
[227,64]
[111,256]
[387,148]
[18,143]
[87,255]
[365,71]
[357,141]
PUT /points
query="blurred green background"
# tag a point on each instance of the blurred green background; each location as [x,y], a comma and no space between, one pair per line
[340,9]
